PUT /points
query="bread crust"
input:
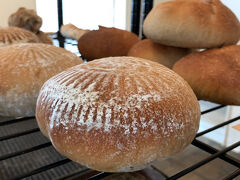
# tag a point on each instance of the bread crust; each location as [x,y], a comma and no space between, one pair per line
[165,55]
[23,70]
[213,74]
[192,24]
[118,113]
[106,42]
[15,35]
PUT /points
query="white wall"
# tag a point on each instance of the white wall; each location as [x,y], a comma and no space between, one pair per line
[8,7]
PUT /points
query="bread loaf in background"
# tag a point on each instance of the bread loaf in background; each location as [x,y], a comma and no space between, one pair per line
[71,31]
[214,74]
[192,24]
[118,113]
[23,70]
[29,20]
[14,35]
[165,55]
[106,42]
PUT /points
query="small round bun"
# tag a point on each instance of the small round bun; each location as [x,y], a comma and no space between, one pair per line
[165,55]
[71,31]
[23,70]
[213,74]
[118,113]
[14,35]
[106,42]
[192,24]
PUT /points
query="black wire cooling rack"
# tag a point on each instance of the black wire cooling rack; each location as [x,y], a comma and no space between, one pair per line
[21,131]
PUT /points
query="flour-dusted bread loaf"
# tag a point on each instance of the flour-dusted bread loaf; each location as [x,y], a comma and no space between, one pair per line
[165,55]
[73,32]
[214,74]
[118,113]
[106,42]
[14,35]
[192,24]
[23,70]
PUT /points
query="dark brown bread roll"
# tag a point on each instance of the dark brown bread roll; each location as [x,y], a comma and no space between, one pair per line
[23,70]
[213,74]
[15,35]
[192,24]
[118,113]
[106,42]
[165,55]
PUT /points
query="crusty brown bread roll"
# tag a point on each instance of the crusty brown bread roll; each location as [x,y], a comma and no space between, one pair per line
[14,35]
[26,19]
[192,24]
[118,113]
[106,42]
[23,70]
[29,20]
[73,32]
[213,74]
[165,55]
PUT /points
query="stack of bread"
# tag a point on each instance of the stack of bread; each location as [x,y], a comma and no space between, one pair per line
[202,24]
[121,113]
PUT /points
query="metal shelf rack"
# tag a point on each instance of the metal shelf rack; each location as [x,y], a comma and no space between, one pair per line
[85,173]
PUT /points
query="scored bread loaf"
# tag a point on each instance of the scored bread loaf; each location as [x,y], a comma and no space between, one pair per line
[165,55]
[23,70]
[192,24]
[106,42]
[14,35]
[118,113]
[214,74]
[71,31]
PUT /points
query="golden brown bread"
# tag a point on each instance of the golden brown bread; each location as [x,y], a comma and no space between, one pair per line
[73,32]
[23,70]
[118,113]
[192,24]
[29,20]
[165,55]
[26,19]
[14,35]
[106,42]
[214,74]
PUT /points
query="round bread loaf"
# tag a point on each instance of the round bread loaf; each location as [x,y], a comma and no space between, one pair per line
[23,70]
[106,42]
[213,74]
[118,113]
[13,35]
[165,55]
[192,24]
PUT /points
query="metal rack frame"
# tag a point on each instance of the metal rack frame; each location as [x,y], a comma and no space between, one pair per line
[93,175]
